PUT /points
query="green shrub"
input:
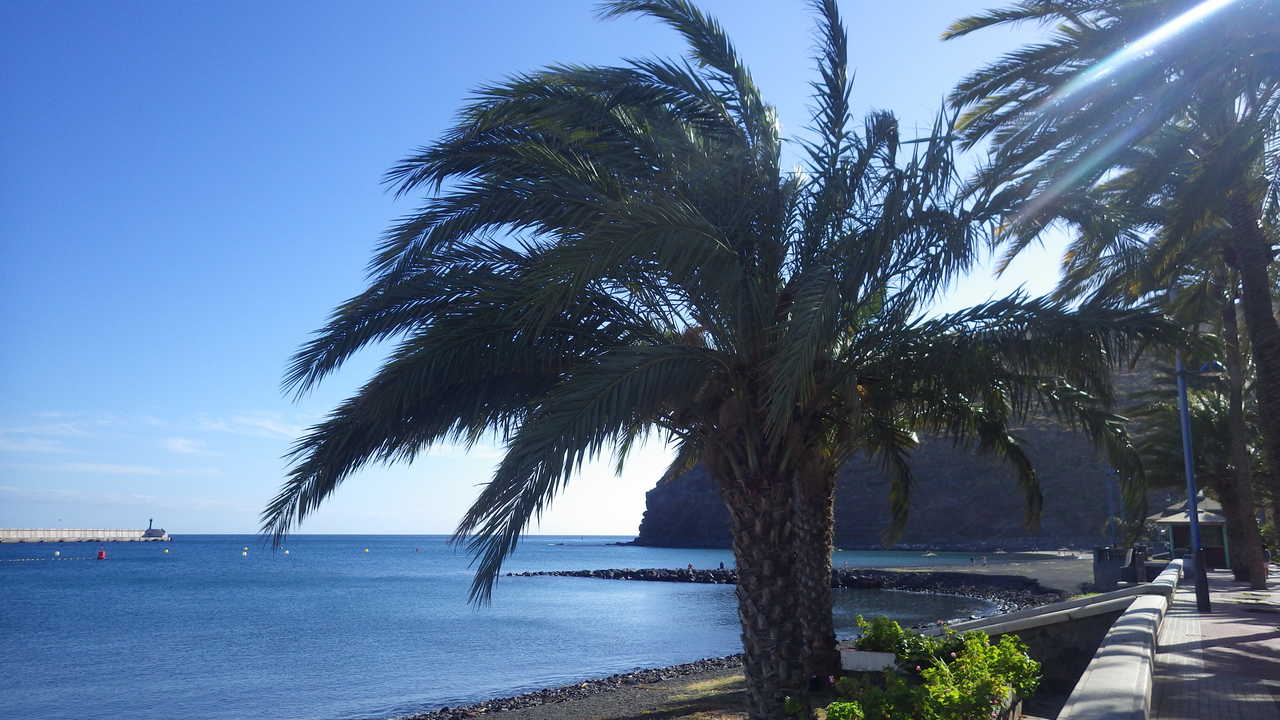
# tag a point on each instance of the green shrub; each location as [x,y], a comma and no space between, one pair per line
[1012,662]
[845,711]
[913,649]
[966,687]
[887,702]
[879,635]
[949,677]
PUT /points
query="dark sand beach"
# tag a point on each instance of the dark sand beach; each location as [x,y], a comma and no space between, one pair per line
[713,689]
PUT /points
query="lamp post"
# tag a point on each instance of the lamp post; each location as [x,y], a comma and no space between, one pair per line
[1193,511]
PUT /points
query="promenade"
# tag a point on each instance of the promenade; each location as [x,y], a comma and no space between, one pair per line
[1223,665]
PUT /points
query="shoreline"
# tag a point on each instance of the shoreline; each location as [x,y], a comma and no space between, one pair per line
[1007,593]
[584,689]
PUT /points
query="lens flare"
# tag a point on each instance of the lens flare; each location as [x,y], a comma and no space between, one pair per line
[1074,90]
[1137,49]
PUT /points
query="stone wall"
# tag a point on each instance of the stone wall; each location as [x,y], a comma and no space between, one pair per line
[1065,649]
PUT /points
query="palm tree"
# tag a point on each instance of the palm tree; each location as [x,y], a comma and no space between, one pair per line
[1138,234]
[608,252]
[1158,437]
[1116,72]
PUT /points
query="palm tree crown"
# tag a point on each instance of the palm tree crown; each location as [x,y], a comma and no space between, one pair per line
[606,252]
[1151,128]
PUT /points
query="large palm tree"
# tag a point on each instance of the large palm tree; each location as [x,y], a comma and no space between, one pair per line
[1115,72]
[1142,232]
[606,252]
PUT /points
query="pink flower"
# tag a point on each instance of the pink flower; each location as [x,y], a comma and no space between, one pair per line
[917,668]
[831,679]
[953,654]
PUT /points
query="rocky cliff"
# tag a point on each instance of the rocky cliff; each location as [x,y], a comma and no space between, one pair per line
[960,500]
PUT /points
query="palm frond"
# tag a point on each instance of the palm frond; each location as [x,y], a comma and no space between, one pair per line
[594,407]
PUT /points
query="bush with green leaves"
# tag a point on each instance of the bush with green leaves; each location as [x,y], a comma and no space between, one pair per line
[913,649]
[881,701]
[879,635]
[948,677]
[850,710]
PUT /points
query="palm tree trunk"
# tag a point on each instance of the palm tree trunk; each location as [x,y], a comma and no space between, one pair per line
[760,516]
[1237,493]
[814,537]
[1253,259]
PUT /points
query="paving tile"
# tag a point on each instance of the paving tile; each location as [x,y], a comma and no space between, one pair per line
[1223,665]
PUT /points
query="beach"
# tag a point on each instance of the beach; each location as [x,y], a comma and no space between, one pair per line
[712,689]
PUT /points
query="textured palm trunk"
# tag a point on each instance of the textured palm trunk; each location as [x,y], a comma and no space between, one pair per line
[1253,259]
[814,537]
[1237,493]
[760,516]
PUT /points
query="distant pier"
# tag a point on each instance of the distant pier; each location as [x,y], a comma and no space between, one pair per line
[67,535]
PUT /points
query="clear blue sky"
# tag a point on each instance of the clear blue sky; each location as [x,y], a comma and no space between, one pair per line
[187,189]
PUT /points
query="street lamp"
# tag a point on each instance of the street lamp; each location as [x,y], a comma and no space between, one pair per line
[1212,369]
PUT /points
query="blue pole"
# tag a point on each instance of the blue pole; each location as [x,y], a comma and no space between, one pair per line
[1193,510]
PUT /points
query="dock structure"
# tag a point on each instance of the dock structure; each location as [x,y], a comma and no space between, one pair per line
[67,535]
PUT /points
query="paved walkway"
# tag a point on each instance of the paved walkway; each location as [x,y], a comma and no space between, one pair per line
[1224,665]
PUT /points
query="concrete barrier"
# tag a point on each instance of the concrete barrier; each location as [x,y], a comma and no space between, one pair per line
[1069,610]
[1116,685]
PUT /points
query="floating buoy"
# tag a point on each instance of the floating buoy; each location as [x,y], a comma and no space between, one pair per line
[57,553]
[286,552]
[246,547]
[166,550]
[366,549]
[417,549]
[102,554]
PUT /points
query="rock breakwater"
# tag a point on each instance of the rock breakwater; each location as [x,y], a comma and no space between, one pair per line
[1007,592]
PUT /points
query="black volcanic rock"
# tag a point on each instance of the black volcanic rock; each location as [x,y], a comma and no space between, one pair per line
[685,512]
[959,501]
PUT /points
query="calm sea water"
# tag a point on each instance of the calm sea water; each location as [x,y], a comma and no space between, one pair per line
[331,632]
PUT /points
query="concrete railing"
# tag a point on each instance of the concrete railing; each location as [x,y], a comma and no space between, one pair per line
[1116,685]
[1077,609]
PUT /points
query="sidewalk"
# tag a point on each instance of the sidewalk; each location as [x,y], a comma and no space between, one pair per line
[1224,665]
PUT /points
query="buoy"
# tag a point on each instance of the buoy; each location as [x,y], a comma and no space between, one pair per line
[102,554]
[166,550]
[366,549]
[246,547]
[286,552]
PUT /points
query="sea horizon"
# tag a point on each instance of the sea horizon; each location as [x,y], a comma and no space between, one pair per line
[357,627]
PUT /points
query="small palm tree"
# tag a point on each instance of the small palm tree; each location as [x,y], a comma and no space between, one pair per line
[1115,73]
[607,252]
[1158,438]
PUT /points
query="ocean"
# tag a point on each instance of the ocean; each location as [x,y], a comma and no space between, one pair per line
[350,627]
